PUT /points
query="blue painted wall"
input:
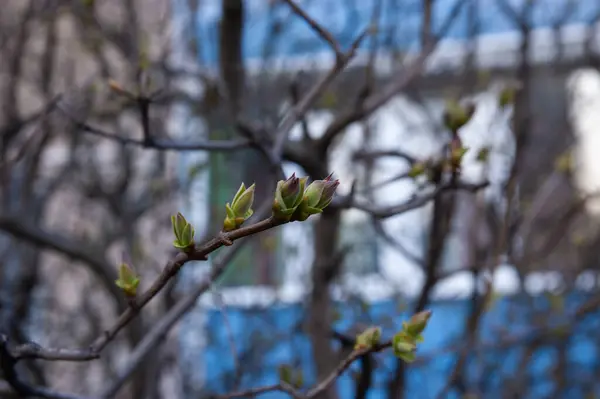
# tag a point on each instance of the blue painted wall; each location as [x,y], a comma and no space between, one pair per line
[400,23]
[274,334]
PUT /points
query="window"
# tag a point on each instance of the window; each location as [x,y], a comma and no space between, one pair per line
[359,235]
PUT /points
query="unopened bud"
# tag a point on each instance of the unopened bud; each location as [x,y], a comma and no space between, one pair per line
[184,232]
[404,347]
[417,323]
[328,191]
[483,154]
[243,203]
[128,281]
[457,115]
[317,196]
[368,338]
[288,196]
[290,189]
[507,96]
[240,208]
[417,169]
[313,192]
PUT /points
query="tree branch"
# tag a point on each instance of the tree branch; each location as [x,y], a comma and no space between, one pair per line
[165,145]
[8,364]
[68,247]
[318,28]
[375,101]
[413,203]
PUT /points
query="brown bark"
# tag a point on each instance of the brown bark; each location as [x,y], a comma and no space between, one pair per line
[325,267]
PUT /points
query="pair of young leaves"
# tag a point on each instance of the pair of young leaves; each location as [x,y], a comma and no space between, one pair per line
[404,343]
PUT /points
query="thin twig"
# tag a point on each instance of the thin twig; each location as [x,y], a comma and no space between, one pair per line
[300,109]
[8,363]
[165,145]
[252,392]
[320,30]
[317,389]
[171,270]
[370,155]
[403,79]
[413,203]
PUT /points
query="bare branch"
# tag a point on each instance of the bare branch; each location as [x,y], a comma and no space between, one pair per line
[413,203]
[8,363]
[370,155]
[171,270]
[185,145]
[300,109]
[321,386]
[75,250]
[252,392]
[373,102]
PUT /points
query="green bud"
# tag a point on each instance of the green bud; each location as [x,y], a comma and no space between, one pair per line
[299,379]
[416,325]
[128,281]
[405,342]
[290,190]
[403,347]
[291,376]
[317,196]
[507,96]
[564,163]
[240,209]
[417,170]
[313,192]
[408,357]
[285,373]
[288,196]
[178,222]
[457,155]
[243,201]
[483,154]
[457,115]
[184,232]
[328,191]
[368,338]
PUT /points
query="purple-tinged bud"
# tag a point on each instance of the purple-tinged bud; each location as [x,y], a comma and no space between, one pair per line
[290,189]
[317,196]
[328,192]
[288,196]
